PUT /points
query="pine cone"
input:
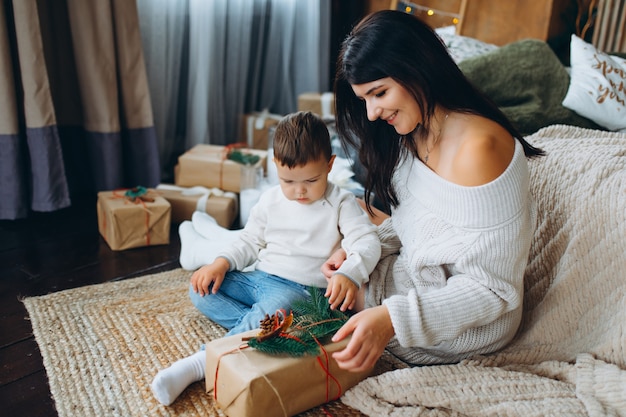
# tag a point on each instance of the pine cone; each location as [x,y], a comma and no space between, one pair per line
[273,325]
[267,324]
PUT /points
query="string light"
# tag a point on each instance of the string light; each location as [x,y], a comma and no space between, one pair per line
[410,8]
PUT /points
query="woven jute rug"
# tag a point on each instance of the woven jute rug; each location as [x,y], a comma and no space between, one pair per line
[103,344]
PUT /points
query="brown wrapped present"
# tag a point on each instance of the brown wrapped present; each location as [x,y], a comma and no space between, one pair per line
[252,383]
[322,104]
[221,205]
[256,128]
[126,222]
[209,166]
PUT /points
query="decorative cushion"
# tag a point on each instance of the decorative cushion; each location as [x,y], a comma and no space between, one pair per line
[597,88]
[526,80]
[463,47]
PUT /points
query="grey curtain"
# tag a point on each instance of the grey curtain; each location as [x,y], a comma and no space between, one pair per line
[75,110]
[211,61]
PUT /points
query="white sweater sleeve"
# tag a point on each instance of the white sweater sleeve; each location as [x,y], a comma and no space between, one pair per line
[360,241]
[485,285]
[245,250]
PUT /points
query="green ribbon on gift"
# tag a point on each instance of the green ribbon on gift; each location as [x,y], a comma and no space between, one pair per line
[244,158]
[138,193]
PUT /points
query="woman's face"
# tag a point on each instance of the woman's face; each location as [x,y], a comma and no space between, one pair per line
[387,100]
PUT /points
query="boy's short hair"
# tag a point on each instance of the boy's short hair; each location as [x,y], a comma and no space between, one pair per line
[300,138]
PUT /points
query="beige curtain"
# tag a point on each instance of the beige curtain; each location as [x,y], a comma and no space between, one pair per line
[75,113]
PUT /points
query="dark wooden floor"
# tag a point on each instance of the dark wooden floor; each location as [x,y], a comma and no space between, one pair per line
[46,253]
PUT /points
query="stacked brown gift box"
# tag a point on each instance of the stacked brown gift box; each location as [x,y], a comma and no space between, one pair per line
[255,128]
[322,104]
[206,180]
[209,166]
[221,205]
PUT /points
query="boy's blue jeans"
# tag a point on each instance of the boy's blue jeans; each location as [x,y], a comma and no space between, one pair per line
[245,297]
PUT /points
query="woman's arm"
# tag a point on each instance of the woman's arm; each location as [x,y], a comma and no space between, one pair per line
[377,216]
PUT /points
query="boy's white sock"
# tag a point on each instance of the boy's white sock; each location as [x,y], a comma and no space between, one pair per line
[207,227]
[169,383]
[196,250]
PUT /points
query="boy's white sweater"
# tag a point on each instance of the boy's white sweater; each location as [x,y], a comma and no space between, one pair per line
[292,240]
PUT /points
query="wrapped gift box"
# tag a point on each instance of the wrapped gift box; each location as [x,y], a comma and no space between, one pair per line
[221,205]
[125,224]
[322,104]
[209,166]
[252,383]
[256,128]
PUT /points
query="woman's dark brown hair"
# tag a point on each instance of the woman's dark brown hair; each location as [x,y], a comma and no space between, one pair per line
[398,45]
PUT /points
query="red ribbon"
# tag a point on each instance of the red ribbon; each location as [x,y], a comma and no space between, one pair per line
[134,201]
[329,375]
[217,366]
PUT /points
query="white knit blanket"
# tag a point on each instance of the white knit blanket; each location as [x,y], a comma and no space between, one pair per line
[569,357]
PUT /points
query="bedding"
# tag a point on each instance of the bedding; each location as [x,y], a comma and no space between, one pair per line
[527,82]
[461,47]
[569,356]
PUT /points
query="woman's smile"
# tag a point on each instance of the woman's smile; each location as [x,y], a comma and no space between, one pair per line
[391,118]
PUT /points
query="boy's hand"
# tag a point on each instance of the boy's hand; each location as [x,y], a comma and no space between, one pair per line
[212,273]
[333,263]
[341,291]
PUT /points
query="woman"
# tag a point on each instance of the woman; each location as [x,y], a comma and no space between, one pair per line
[452,171]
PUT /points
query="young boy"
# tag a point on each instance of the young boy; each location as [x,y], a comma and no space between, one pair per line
[291,232]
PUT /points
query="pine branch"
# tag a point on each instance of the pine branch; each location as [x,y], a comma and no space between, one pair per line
[313,321]
[285,345]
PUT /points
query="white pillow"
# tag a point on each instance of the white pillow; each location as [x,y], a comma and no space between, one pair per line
[463,47]
[597,88]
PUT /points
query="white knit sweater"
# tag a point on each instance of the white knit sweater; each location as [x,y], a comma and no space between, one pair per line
[456,287]
[293,240]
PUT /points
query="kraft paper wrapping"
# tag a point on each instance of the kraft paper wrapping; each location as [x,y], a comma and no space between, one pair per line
[207,166]
[251,383]
[256,128]
[221,205]
[124,224]
[322,104]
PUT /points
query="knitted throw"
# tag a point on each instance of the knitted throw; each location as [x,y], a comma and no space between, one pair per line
[569,356]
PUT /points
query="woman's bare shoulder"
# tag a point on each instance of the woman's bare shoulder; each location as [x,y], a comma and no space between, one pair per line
[485,149]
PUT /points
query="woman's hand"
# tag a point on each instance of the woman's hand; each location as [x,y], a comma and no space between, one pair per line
[209,274]
[333,263]
[371,330]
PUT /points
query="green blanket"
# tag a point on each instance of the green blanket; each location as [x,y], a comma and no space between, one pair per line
[527,82]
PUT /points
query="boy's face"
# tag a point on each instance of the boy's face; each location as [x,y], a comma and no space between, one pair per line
[307,183]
